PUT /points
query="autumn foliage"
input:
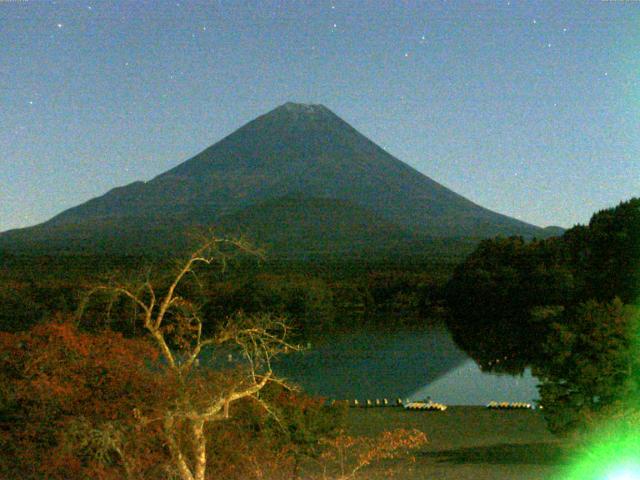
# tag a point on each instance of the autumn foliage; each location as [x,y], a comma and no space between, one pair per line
[89,405]
[187,399]
[80,405]
[71,403]
[345,457]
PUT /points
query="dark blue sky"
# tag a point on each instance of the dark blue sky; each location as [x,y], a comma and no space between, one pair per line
[528,108]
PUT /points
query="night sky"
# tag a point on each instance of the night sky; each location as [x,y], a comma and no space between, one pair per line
[531,109]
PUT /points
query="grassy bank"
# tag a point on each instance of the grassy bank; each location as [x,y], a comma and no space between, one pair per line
[469,443]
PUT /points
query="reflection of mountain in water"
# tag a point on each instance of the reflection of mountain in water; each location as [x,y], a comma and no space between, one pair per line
[373,364]
[467,385]
[411,364]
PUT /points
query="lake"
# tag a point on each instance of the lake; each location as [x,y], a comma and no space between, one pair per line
[410,364]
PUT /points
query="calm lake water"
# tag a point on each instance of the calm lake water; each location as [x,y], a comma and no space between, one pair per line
[412,364]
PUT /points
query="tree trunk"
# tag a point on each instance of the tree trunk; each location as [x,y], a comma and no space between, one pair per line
[176,453]
[200,448]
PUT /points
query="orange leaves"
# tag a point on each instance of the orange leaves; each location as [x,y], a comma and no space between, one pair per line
[58,378]
[66,335]
[45,385]
[57,361]
[95,406]
[293,400]
[345,455]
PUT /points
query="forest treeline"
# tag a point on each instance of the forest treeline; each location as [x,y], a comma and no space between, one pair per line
[315,297]
[132,377]
[565,306]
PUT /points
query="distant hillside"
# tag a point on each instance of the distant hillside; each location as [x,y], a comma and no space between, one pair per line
[314,225]
[298,178]
[552,231]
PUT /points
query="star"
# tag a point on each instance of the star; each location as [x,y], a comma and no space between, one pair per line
[548,45]
[59,25]
[564,29]
[30,102]
[406,54]
[534,21]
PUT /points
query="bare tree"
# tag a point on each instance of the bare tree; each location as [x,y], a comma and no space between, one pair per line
[178,331]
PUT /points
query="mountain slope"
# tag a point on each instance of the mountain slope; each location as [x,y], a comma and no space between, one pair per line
[315,225]
[296,151]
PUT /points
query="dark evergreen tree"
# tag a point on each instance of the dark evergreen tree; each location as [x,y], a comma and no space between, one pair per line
[592,365]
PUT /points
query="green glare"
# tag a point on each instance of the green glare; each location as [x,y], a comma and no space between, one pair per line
[612,451]
[625,472]
[615,456]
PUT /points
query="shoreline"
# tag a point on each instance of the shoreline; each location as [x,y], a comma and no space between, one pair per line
[468,442]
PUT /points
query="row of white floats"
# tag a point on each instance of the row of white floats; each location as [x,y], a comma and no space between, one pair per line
[376,403]
[435,406]
[428,405]
[510,406]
